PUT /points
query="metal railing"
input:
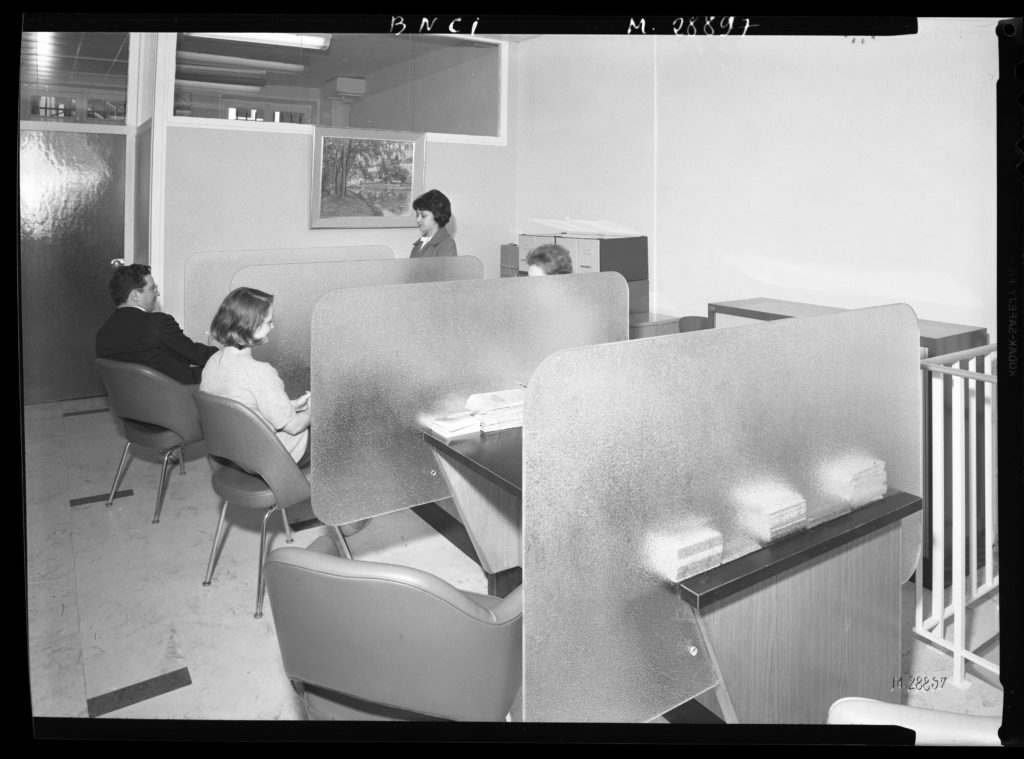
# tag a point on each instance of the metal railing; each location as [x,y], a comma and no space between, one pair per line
[963,455]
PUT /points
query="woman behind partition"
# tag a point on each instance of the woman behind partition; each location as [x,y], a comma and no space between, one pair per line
[549,259]
[433,212]
[245,319]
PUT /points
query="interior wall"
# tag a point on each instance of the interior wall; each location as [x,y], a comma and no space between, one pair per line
[824,170]
[586,130]
[245,189]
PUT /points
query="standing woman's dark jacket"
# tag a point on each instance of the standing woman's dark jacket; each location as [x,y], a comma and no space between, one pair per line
[441,244]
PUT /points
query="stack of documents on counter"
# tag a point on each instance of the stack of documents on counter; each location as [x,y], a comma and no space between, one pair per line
[485,412]
[770,510]
[452,425]
[700,551]
[855,479]
[498,410]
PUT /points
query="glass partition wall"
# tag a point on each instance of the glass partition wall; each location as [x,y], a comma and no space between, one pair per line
[424,83]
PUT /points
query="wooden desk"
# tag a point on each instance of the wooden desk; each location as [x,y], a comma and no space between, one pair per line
[939,338]
[806,620]
[484,472]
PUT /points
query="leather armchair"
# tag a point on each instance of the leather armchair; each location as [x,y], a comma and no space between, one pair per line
[157,411]
[363,640]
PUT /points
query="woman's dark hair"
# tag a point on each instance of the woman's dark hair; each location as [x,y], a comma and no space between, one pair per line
[553,259]
[437,203]
[125,279]
[239,316]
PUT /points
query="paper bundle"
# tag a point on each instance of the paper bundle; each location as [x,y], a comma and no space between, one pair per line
[698,552]
[452,425]
[770,510]
[855,479]
[499,410]
[675,556]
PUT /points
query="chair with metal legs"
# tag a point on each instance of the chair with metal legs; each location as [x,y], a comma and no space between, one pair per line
[157,411]
[256,472]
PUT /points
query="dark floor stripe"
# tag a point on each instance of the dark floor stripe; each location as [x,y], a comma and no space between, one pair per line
[87,411]
[98,498]
[305,524]
[134,694]
[449,527]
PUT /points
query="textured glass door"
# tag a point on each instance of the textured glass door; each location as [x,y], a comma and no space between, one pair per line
[71,211]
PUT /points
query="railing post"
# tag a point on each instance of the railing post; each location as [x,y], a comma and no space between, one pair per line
[958,548]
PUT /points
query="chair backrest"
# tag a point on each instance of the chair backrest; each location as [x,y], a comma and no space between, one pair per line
[394,635]
[138,392]
[235,432]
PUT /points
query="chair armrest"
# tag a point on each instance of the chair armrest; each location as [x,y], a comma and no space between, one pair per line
[932,727]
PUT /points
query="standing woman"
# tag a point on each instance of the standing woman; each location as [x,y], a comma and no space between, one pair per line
[433,212]
[245,319]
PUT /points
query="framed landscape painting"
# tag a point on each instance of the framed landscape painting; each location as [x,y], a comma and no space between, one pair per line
[365,178]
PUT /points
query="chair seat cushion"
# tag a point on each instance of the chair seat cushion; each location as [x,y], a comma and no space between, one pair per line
[241,489]
[151,435]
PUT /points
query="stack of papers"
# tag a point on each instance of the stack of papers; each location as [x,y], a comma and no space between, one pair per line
[770,510]
[452,425]
[485,412]
[498,410]
[855,479]
[700,551]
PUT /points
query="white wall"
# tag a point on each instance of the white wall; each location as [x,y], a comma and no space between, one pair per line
[586,130]
[804,168]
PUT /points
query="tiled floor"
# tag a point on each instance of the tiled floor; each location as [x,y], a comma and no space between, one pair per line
[117,610]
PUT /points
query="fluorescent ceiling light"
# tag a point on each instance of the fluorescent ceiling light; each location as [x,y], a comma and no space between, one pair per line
[188,84]
[308,41]
[185,69]
[230,60]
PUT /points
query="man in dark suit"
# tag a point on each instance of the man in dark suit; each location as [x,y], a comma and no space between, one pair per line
[136,333]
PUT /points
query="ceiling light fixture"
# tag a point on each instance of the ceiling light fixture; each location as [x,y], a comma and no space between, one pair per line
[307,41]
[188,69]
[184,56]
[191,84]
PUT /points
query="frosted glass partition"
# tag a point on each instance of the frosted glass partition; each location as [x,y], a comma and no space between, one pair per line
[381,356]
[632,449]
[208,275]
[296,289]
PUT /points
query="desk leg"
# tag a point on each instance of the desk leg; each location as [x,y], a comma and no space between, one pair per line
[491,516]
[504,582]
[721,692]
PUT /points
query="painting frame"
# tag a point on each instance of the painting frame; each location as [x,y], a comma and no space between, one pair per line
[383,167]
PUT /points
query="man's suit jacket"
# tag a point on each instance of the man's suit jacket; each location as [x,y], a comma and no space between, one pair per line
[152,339]
[441,244]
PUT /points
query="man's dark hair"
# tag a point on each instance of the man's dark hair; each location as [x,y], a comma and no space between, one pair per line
[553,259]
[125,279]
[437,203]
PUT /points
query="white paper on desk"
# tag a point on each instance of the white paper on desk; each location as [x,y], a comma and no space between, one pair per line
[583,227]
[483,402]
